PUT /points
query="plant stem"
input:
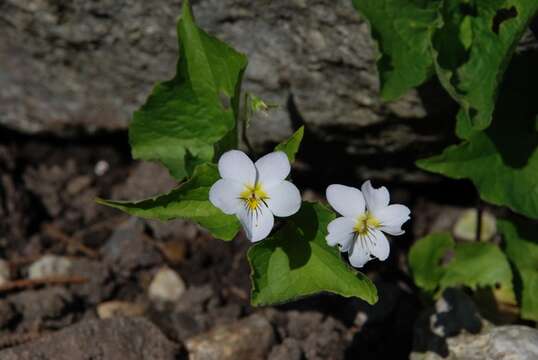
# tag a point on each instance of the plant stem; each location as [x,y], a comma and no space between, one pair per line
[52,280]
[478,220]
[244,123]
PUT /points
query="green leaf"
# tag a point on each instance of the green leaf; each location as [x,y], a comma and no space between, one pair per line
[426,257]
[188,201]
[477,265]
[297,262]
[522,249]
[502,161]
[437,263]
[473,48]
[185,118]
[403,30]
[291,146]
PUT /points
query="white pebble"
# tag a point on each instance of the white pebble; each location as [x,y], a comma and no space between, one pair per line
[49,265]
[166,286]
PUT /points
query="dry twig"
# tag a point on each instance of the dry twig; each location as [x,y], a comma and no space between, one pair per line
[55,233]
[52,280]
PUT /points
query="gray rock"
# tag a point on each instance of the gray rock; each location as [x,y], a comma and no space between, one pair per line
[509,342]
[85,66]
[146,179]
[320,337]
[48,308]
[99,285]
[178,326]
[117,338]
[128,249]
[7,313]
[290,349]
[454,330]
[250,338]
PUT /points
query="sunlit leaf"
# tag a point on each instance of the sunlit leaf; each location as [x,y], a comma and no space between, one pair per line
[522,249]
[477,265]
[291,146]
[188,201]
[297,262]
[185,118]
[437,263]
[403,30]
[426,257]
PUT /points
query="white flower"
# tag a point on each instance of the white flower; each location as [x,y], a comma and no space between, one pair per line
[365,216]
[255,192]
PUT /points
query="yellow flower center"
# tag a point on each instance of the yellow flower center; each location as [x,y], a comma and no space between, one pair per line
[366,222]
[253,196]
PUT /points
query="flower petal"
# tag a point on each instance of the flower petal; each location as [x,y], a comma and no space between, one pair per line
[392,218]
[284,199]
[257,224]
[272,168]
[376,199]
[341,225]
[346,200]
[236,165]
[224,194]
[341,233]
[380,247]
[359,255]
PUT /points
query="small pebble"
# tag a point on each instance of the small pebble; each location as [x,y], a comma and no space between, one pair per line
[117,308]
[49,265]
[166,286]
[465,227]
[101,168]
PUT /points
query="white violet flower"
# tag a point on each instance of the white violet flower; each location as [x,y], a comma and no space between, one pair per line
[255,192]
[365,216]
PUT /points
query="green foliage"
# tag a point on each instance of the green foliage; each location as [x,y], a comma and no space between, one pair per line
[403,29]
[297,262]
[470,44]
[291,145]
[188,201]
[437,262]
[502,161]
[425,258]
[521,240]
[184,118]
[477,265]
[473,48]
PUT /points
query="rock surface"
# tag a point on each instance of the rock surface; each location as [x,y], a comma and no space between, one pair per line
[118,338]
[85,66]
[250,338]
[509,342]
[454,330]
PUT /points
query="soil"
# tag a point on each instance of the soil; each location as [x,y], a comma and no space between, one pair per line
[47,193]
